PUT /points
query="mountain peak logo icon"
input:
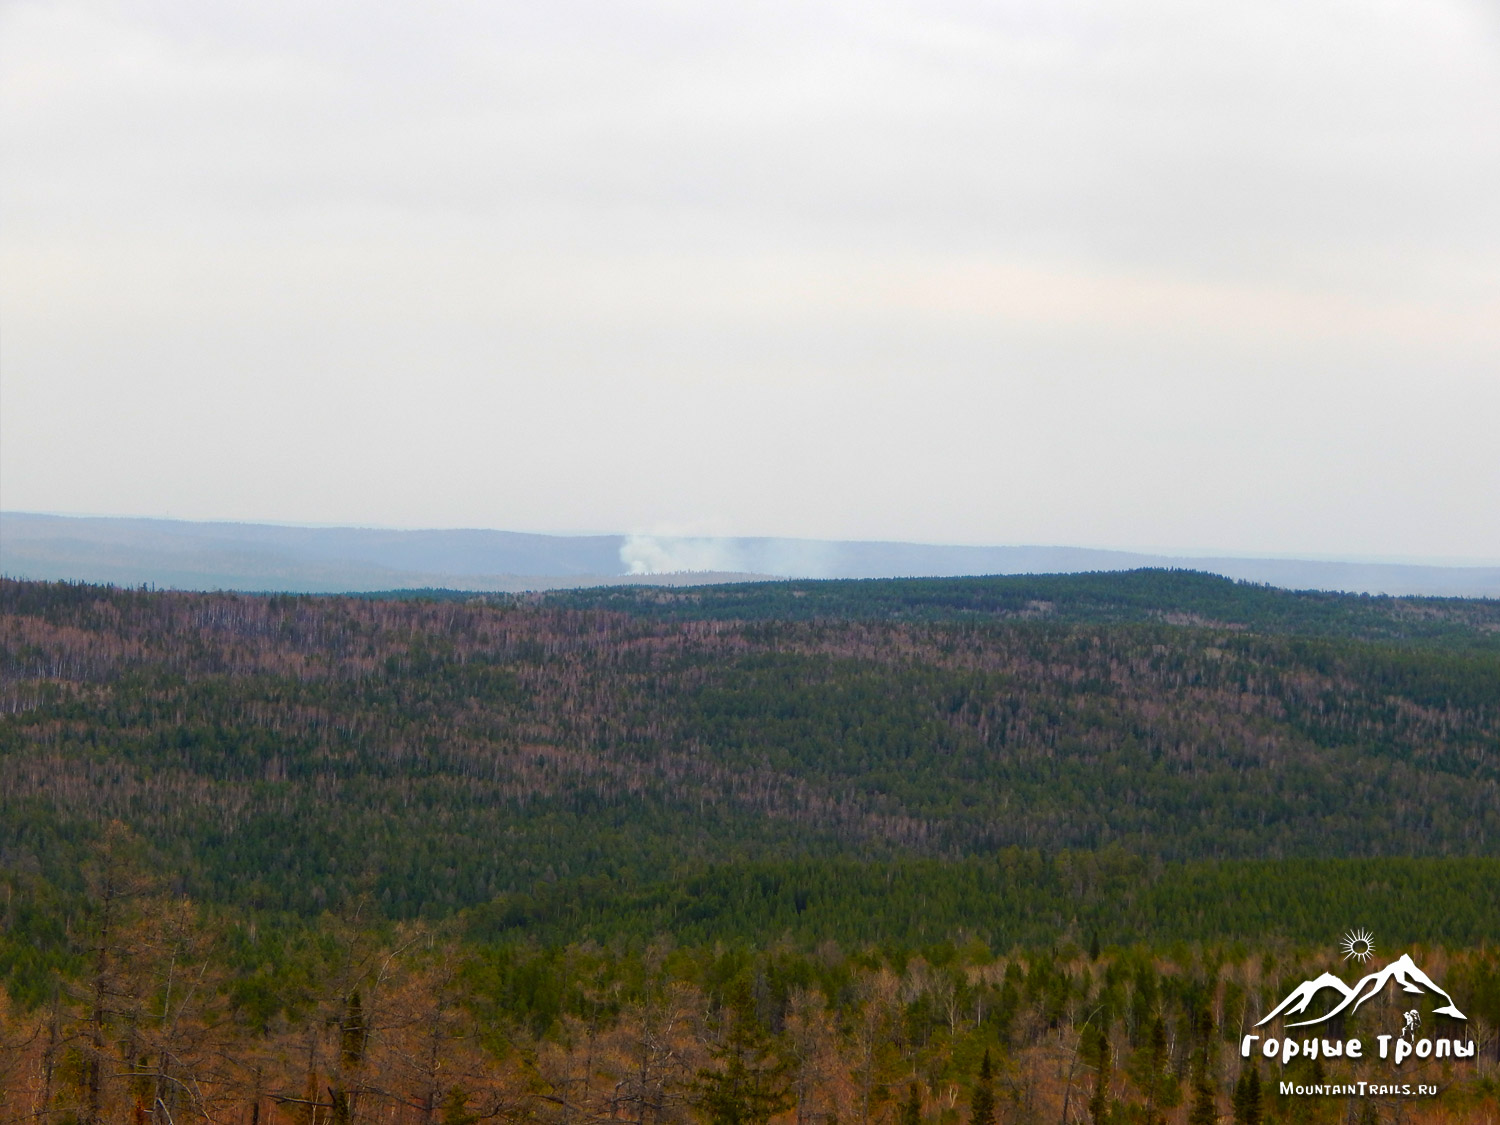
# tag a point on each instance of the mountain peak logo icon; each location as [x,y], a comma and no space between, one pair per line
[1403,971]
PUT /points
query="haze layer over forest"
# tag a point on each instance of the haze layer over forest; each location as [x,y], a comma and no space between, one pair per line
[178,554]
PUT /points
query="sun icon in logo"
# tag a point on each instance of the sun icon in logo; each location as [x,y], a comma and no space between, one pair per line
[1358,944]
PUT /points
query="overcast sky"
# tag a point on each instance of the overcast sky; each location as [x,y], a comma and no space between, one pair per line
[1189,275]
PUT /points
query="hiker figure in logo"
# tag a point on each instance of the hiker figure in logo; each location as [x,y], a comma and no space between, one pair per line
[1413,1021]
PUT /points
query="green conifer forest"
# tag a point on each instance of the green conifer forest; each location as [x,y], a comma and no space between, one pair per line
[892,851]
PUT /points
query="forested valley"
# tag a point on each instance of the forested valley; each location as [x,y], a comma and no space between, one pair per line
[954,852]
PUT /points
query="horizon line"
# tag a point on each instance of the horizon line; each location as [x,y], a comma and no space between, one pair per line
[1445,562]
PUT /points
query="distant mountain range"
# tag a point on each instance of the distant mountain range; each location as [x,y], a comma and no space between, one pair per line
[271,557]
[1403,971]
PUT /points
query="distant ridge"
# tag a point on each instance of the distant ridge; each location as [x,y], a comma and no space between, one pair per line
[181,554]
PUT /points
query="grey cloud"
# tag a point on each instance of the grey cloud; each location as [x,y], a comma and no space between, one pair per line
[631,265]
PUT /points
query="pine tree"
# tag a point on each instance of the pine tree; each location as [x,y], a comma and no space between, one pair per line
[982,1108]
[1204,1110]
[1246,1104]
[1160,1087]
[911,1112]
[749,1086]
[1099,1103]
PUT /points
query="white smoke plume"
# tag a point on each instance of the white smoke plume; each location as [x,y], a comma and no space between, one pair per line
[780,558]
[652,554]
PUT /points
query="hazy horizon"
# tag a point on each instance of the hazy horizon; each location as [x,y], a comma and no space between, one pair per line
[578,533]
[261,557]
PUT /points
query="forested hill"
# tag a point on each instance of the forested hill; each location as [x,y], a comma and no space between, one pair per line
[1181,597]
[912,849]
[289,752]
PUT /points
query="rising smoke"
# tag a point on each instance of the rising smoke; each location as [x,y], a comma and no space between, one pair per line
[778,558]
